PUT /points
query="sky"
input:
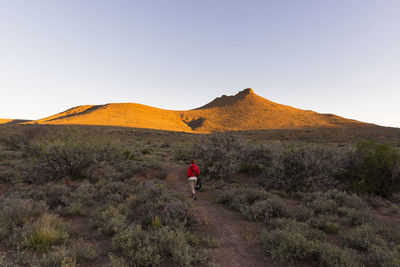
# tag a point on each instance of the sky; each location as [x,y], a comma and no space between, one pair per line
[332,56]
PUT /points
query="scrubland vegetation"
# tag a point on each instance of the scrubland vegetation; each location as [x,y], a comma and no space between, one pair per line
[71,199]
[313,199]
[93,196]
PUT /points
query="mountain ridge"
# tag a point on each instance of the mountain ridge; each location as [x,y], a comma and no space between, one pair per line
[244,111]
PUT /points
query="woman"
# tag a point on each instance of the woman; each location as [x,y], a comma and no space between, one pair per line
[192,173]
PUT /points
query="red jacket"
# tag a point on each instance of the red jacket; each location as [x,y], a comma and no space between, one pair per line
[195,172]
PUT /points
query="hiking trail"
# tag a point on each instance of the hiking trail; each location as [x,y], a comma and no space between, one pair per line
[239,243]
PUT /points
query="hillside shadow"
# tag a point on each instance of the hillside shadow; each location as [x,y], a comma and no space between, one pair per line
[195,123]
[79,113]
[17,121]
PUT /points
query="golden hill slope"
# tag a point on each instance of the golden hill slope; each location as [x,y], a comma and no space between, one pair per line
[12,121]
[243,111]
[2,121]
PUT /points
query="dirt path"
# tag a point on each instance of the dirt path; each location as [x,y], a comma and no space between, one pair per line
[239,238]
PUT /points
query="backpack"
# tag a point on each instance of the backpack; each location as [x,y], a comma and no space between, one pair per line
[199,183]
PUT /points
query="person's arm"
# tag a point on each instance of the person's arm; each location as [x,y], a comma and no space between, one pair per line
[198,171]
[188,172]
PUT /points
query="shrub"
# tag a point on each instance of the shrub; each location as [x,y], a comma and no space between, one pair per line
[109,220]
[183,152]
[354,217]
[301,213]
[146,150]
[137,246]
[334,200]
[74,209]
[44,232]
[303,168]
[206,241]
[4,262]
[52,258]
[325,223]
[285,246]
[16,212]
[57,195]
[332,256]
[393,235]
[322,206]
[78,252]
[254,159]
[116,261]
[236,198]
[174,243]
[145,248]
[19,139]
[302,228]
[345,199]
[111,192]
[373,168]
[264,210]
[291,246]
[218,154]
[380,256]
[68,155]
[179,213]
[82,251]
[68,262]
[362,238]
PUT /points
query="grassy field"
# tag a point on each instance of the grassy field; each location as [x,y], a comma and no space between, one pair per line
[113,196]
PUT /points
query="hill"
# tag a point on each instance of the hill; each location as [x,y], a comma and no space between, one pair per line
[243,111]
[2,121]
[12,121]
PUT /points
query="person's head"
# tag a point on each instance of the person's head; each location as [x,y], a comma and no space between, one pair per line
[193,161]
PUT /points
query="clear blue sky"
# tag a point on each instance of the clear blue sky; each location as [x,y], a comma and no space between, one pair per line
[333,56]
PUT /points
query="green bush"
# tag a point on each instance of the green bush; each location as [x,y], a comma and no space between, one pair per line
[374,168]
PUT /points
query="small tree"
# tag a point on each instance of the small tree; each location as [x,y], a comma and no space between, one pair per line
[374,168]
[218,154]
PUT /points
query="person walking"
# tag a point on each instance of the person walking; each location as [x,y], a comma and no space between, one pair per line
[192,174]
